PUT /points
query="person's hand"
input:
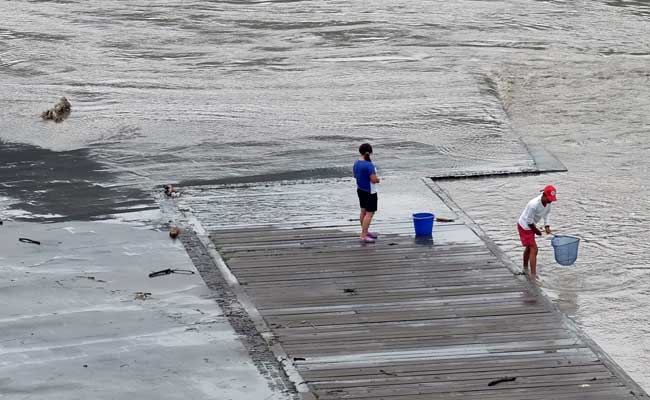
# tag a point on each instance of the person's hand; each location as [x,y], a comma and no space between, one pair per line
[547,229]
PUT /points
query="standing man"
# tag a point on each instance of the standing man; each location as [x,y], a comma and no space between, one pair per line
[365,174]
[535,210]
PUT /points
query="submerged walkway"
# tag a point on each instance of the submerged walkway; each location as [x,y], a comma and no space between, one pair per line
[409,319]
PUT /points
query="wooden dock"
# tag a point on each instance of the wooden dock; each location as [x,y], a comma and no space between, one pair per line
[407,319]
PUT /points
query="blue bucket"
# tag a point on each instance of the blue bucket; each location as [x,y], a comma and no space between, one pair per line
[423,223]
[566,249]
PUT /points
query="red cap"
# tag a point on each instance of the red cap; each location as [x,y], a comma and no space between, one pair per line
[549,191]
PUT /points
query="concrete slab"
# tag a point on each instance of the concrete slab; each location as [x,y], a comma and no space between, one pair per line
[73,324]
[313,203]
[543,162]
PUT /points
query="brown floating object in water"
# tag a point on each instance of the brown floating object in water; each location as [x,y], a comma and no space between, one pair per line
[174,232]
[59,112]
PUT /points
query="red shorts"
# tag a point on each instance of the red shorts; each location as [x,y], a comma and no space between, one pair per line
[527,237]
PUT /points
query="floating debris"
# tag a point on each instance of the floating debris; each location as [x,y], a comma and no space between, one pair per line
[174,232]
[142,295]
[92,278]
[59,112]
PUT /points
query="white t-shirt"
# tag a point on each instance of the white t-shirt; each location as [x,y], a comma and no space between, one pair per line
[534,212]
[373,186]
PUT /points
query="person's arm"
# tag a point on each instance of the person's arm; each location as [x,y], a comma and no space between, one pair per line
[547,225]
[373,176]
[535,229]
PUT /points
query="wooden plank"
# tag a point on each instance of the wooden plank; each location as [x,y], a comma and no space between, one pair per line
[371,281]
[429,302]
[477,364]
[269,260]
[541,383]
[595,371]
[451,350]
[352,332]
[335,296]
[383,267]
[324,247]
[601,391]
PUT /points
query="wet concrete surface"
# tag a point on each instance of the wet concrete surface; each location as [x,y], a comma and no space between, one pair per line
[313,202]
[47,185]
[81,319]
[239,318]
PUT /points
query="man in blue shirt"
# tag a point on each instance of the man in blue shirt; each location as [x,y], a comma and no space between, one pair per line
[365,173]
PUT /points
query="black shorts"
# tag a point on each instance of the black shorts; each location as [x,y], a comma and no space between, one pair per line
[367,200]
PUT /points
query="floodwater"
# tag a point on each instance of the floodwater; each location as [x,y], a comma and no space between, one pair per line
[222,91]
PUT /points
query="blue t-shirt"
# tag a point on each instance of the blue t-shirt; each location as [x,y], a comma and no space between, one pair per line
[362,171]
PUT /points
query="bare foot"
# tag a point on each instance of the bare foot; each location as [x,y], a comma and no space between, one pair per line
[533,278]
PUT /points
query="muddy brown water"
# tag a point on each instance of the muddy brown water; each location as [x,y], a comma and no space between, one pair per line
[219,91]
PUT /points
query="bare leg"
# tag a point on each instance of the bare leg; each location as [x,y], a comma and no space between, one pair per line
[362,215]
[533,261]
[365,224]
[526,257]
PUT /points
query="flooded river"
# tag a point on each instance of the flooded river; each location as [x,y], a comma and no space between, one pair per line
[246,91]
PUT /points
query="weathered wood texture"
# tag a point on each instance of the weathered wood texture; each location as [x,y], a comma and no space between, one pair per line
[406,320]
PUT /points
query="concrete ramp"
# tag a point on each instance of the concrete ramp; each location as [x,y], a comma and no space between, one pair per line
[543,162]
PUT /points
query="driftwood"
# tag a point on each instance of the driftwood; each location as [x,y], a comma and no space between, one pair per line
[59,112]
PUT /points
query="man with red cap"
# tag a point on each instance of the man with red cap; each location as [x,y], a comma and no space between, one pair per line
[535,210]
